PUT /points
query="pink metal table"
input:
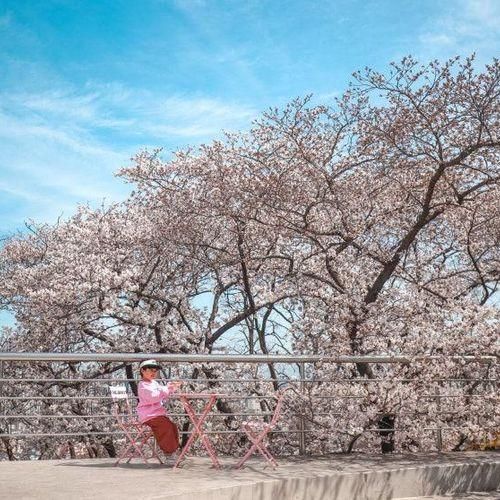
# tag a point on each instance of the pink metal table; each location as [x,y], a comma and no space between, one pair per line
[187,400]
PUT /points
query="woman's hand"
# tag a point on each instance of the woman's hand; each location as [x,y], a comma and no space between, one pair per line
[175,385]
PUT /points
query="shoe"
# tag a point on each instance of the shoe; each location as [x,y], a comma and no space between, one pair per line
[171,458]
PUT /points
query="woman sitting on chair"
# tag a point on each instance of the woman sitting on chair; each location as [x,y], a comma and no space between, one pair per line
[150,410]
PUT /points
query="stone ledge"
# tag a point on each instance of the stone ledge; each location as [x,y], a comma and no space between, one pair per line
[343,477]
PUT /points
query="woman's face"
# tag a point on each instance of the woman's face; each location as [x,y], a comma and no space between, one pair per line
[149,373]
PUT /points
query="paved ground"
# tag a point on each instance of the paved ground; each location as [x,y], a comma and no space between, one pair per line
[462,496]
[344,477]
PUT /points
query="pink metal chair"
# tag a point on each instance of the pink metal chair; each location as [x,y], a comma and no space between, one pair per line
[138,436]
[257,432]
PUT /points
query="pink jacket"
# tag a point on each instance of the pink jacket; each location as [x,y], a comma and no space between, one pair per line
[151,395]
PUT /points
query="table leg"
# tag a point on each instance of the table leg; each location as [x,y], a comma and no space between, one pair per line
[204,438]
[198,431]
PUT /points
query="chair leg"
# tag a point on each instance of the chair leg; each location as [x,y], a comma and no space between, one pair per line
[134,447]
[124,453]
[245,457]
[138,438]
[266,454]
[150,441]
[139,446]
[257,441]
[154,449]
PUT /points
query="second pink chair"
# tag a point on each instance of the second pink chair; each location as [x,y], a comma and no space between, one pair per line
[257,433]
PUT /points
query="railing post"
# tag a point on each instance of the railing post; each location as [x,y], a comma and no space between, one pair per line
[3,406]
[302,422]
[2,411]
[439,434]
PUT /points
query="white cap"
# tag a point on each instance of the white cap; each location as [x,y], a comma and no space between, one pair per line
[149,362]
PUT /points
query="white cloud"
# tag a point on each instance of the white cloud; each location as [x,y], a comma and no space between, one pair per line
[47,169]
[467,26]
[133,112]
[486,13]
[21,193]
[327,97]
[197,118]
[437,39]
[61,147]
[72,140]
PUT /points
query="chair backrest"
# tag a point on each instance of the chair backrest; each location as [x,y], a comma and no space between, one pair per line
[118,392]
[120,398]
[280,397]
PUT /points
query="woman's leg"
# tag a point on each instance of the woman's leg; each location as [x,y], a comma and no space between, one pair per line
[165,432]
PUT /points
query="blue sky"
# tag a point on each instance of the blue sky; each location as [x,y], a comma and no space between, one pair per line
[85,84]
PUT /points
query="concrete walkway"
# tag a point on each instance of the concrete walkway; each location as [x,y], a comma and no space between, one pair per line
[344,477]
[474,495]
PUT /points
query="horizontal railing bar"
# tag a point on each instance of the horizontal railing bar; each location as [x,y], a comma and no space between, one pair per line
[197,358]
[107,415]
[248,381]
[93,398]
[54,398]
[170,414]
[222,415]
[363,380]
[424,396]
[89,398]
[236,431]
[86,398]
[115,433]
[116,380]
[385,380]
[227,358]
[236,397]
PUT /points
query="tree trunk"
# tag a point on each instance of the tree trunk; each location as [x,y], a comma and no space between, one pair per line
[388,442]
[130,375]
[109,446]
[8,449]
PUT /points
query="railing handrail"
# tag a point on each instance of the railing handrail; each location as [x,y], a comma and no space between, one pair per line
[231,358]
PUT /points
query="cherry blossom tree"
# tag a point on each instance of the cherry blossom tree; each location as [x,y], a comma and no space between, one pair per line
[369,227]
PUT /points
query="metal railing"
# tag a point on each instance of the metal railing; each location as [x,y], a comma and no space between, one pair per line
[94,401]
[227,358]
